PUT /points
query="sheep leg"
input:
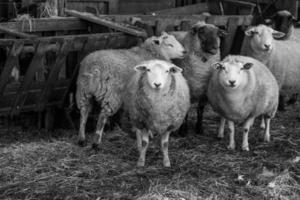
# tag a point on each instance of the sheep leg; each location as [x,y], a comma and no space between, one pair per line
[281,105]
[221,128]
[84,113]
[183,129]
[231,145]
[200,111]
[165,149]
[142,147]
[262,123]
[267,130]
[99,131]
[246,127]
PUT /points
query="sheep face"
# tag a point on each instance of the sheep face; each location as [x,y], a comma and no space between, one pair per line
[169,46]
[232,75]
[282,21]
[261,37]
[209,36]
[158,73]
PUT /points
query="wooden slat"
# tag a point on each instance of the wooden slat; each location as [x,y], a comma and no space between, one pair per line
[53,75]
[108,23]
[185,10]
[46,24]
[16,33]
[11,61]
[231,29]
[23,90]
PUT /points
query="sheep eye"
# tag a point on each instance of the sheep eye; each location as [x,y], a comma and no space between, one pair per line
[170,45]
[167,71]
[148,70]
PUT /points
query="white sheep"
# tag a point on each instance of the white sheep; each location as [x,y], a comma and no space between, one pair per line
[157,100]
[103,74]
[240,89]
[282,57]
[202,43]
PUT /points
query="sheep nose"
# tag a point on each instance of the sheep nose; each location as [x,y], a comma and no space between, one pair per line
[232,82]
[184,52]
[267,46]
[157,85]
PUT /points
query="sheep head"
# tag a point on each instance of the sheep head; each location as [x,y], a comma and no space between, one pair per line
[158,73]
[232,74]
[209,36]
[262,37]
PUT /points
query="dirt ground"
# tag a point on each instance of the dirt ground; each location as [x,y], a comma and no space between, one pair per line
[39,165]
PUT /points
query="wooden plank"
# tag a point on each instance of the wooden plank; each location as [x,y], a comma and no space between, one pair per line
[46,24]
[53,75]
[54,39]
[231,29]
[23,90]
[114,25]
[16,33]
[11,61]
[185,10]
[218,20]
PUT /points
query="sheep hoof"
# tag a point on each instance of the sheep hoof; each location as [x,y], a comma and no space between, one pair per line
[245,148]
[167,164]
[231,147]
[267,139]
[220,137]
[82,143]
[96,147]
[141,163]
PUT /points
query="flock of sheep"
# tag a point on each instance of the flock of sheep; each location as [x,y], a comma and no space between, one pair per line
[155,83]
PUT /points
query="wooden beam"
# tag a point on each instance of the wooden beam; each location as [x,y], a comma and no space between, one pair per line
[46,24]
[16,33]
[185,10]
[218,20]
[109,23]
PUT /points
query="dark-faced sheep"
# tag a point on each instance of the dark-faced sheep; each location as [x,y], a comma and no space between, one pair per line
[103,75]
[157,100]
[202,43]
[240,89]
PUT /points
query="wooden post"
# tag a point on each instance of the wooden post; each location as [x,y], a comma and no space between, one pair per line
[232,26]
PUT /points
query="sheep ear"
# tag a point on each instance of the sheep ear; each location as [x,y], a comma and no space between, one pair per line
[247,66]
[268,22]
[217,66]
[250,31]
[174,69]
[156,41]
[222,33]
[278,34]
[140,68]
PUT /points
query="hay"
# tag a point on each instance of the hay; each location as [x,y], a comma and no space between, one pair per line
[35,165]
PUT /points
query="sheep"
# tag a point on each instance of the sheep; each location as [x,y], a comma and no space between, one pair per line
[282,57]
[157,100]
[240,89]
[103,74]
[202,43]
[283,21]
